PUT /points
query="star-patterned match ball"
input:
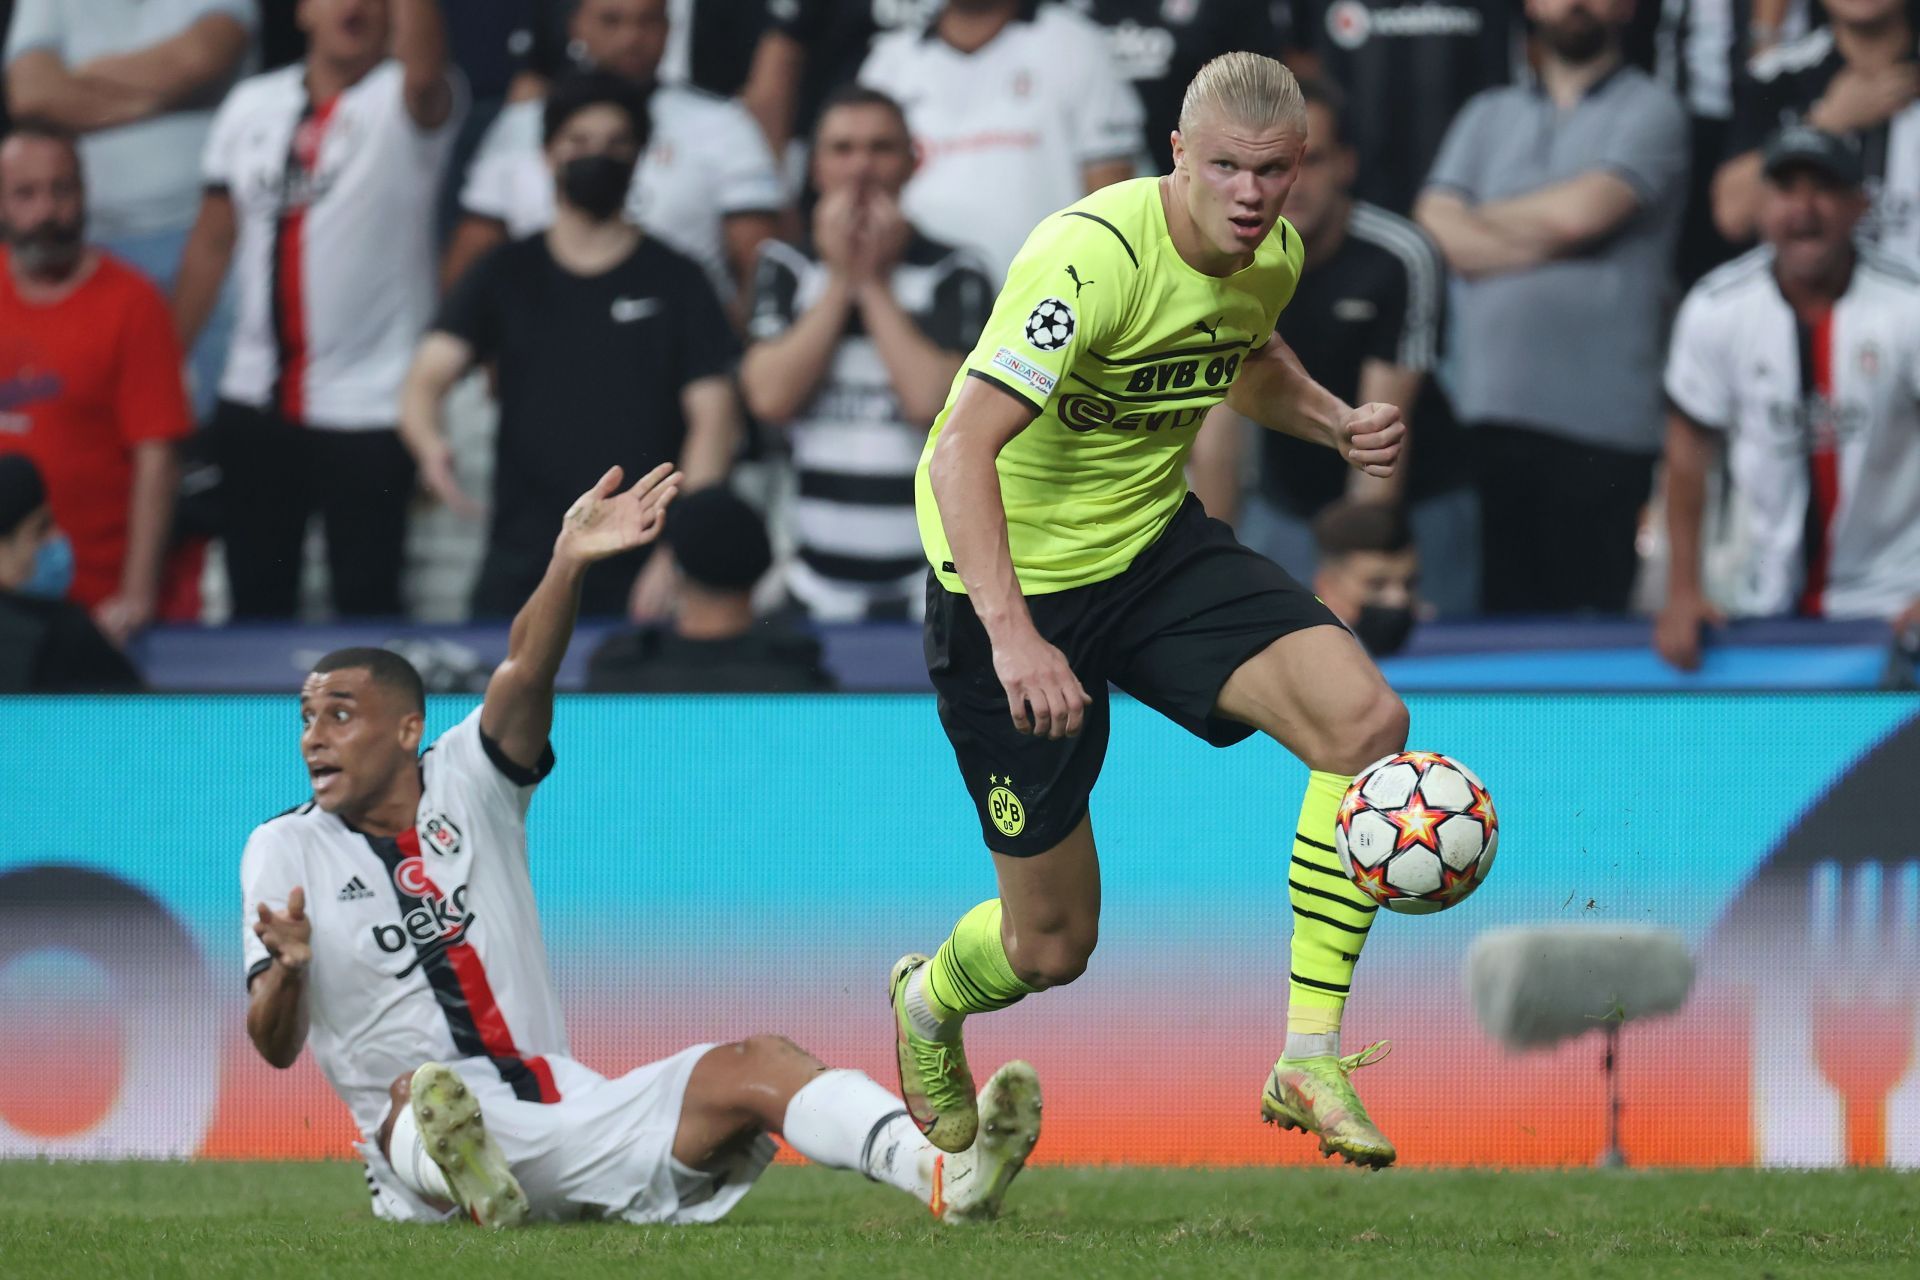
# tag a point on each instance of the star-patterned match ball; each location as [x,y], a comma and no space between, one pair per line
[1416,832]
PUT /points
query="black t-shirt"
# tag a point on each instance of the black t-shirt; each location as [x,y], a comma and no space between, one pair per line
[590,370]
[771,658]
[1158,45]
[1381,296]
[51,646]
[837,35]
[1406,67]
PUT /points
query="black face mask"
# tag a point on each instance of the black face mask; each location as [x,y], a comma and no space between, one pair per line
[1383,629]
[597,185]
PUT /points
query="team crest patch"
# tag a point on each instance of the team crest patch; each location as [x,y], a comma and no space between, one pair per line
[1004,810]
[1050,327]
[441,835]
[1033,376]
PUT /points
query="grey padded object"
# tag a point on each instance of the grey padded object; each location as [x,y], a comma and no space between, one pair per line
[1537,986]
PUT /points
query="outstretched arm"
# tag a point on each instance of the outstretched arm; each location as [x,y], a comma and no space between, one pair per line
[277,997]
[518,711]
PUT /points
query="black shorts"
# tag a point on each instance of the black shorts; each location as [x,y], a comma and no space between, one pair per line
[1168,630]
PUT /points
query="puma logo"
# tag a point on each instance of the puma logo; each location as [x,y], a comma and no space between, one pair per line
[1078,283]
[1211,330]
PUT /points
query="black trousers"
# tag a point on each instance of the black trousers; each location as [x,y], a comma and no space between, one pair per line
[276,475]
[1558,520]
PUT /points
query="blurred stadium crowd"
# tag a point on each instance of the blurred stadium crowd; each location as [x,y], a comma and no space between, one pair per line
[329,308]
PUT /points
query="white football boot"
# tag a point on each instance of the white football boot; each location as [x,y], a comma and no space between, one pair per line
[968,1186]
[455,1137]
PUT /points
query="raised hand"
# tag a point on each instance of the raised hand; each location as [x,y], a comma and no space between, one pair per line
[604,522]
[287,935]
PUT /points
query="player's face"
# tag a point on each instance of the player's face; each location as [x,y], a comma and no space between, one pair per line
[356,736]
[626,37]
[1238,180]
[1809,219]
[346,31]
[1326,174]
[42,204]
[863,149]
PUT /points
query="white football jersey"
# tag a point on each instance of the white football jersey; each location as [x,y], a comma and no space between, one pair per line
[426,946]
[1823,433]
[334,203]
[706,162]
[1005,132]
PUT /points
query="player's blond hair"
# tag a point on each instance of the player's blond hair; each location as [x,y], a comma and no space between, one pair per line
[1245,89]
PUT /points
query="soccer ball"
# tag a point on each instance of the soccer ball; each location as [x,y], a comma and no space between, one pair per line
[1050,325]
[1416,832]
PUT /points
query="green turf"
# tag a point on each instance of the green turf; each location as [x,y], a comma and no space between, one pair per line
[273,1222]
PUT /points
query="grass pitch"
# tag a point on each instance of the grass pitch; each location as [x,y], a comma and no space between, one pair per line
[279,1221]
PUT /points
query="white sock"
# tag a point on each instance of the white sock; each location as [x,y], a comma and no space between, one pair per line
[843,1120]
[1301,1045]
[411,1163]
[920,1013]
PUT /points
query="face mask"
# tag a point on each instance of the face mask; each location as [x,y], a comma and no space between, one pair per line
[1383,629]
[597,185]
[52,569]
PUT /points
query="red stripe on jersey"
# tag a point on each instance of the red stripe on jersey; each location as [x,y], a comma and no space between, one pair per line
[488,1019]
[549,1091]
[1823,470]
[290,301]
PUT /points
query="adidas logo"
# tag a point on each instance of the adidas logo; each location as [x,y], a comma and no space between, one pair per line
[354,890]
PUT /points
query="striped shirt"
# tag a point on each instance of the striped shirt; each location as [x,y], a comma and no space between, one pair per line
[1822,427]
[854,449]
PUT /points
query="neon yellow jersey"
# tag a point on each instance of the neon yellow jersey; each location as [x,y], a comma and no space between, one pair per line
[1123,348]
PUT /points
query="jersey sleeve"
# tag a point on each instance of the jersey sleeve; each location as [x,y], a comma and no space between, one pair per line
[37,25]
[474,761]
[269,871]
[961,303]
[487,192]
[218,158]
[1699,378]
[1406,329]
[1457,168]
[1066,292]
[746,180]
[1288,281]
[776,294]
[1648,150]
[470,311]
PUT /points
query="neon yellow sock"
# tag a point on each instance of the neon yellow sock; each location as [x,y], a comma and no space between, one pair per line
[1330,914]
[970,973]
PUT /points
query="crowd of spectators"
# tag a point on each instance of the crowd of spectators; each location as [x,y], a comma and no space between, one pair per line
[283,278]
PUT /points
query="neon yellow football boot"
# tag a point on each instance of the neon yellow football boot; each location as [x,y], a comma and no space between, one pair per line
[934,1080]
[1314,1095]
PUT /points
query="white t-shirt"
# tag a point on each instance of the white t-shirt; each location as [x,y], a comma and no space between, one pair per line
[425,947]
[1823,452]
[1005,132]
[706,162]
[336,243]
[141,178]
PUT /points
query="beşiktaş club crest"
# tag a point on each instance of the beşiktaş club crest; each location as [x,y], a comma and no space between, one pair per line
[440,835]
[1050,326]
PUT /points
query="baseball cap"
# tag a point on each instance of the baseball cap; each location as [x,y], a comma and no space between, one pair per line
[1802,145]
